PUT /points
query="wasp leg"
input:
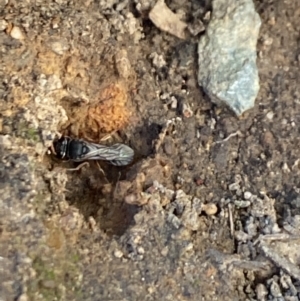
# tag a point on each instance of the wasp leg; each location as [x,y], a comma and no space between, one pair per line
[102,171]
[117,184]
[78,167]
[58,134]
[113,134]
[52,149]
[106,137]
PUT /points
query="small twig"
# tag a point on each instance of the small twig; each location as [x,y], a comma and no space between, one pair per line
[237,133]
[291,230]
[250,265]
[162,135]
[231,220]
[281,261]
[226,262]
[275,237]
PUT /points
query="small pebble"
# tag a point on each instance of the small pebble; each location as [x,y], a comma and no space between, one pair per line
[5,140]
[207,16]
[59,46]
[23,297]
[186,111]
[251,227]
[234,186]
[55,23]
[275,290]
[241,236]
[199,181]
[174,103]
[123,64]
[118,254]
[16,33]
[275,229]
[288,284]
[285,168]
[284,281]
[270,115]
[247,195]
[169,147]
[196,27]
[48,284]
[237,178]
[268,139]
[39,148]
[157,60]
[268,41]
[174,220]
[262,156]
[3,25]
[150,290]
[165,251]
[141,250]
[261,292]
[166,20]
[131,199]
[210,209]
[272,21]
[189,247]
[239,192]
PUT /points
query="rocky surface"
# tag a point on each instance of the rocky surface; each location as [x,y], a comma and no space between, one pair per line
[210,206]
[227,55]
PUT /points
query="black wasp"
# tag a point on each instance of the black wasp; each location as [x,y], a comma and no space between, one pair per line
[78,150]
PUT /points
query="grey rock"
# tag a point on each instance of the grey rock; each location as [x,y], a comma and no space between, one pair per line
[227,55]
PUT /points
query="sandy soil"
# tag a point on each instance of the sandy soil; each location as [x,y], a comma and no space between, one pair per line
[182,221]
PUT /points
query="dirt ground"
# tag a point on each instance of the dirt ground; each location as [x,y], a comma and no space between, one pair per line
[196,216]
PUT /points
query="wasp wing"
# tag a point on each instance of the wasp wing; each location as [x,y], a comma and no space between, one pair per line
[117,154]
[125,155]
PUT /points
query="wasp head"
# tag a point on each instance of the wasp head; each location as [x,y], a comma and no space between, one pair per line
[61,147]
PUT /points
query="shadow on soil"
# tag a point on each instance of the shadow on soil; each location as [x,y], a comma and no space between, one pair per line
[93,189]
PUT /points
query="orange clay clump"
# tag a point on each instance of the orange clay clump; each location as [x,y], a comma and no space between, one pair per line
[93,121]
